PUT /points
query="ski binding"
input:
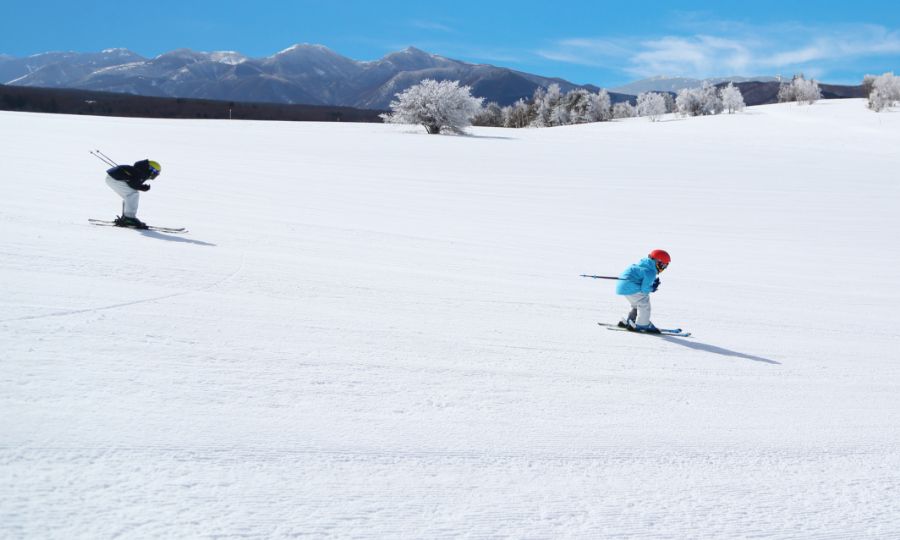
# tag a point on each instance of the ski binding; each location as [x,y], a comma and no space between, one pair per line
[170,230]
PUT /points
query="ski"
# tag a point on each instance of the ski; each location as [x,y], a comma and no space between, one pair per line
[676,332]
[170,230]
[670,330]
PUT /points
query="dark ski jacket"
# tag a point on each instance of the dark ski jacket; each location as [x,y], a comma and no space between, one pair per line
[133,175]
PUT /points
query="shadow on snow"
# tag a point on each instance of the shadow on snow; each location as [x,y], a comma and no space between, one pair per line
[172,237]
[717,350]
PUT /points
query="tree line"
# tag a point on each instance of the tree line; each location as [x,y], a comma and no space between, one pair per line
[447,106]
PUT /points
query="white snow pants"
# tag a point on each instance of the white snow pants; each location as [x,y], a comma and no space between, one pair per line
[640,302]
[131,197]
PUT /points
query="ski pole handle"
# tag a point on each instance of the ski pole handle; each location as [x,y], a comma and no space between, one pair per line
[599,277]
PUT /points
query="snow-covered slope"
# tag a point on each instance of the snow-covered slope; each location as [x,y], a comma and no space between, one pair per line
[373,332]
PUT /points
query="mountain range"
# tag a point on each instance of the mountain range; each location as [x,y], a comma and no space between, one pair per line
[674,84]
[305,73]
[315,75]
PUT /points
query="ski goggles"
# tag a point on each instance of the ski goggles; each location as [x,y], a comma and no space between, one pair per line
[660,266]
[154,172]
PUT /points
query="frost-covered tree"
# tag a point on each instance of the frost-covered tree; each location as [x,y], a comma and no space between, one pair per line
[559,114]
[537,98]
[578,105]
[699,101]
[547,105]
[800,90]
[709,99]
[491,115]
[541,110]
[731,97]
[688,102]
[437,105]
[517,115]
[785,93]
[651,104]
[807,91]
[623,110]
[885,92]
[551,107]
[670,102]
[868,84]
[600,109]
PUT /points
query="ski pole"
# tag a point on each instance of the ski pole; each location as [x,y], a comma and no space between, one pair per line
[98,157]
[600,277]
[104,159]
[108,158]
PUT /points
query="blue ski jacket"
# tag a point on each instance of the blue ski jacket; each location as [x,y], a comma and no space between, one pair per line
[637,278]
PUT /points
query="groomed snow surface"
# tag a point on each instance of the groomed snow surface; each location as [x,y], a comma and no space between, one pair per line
[371,332]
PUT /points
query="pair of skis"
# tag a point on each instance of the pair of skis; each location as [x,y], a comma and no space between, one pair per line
[676,332]
[170,230]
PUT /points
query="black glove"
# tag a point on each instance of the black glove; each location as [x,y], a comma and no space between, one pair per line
[655,285]
[144,187]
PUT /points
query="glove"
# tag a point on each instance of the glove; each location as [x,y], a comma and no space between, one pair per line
[145,187]
[655,285]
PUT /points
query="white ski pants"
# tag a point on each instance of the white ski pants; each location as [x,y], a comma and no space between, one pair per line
[641,303]
[130,197]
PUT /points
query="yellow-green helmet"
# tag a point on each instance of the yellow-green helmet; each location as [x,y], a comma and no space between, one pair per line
[155,168]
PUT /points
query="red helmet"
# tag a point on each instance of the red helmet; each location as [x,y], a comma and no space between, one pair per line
[660,256]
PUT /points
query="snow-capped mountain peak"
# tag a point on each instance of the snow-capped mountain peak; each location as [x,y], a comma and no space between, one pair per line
[228,57]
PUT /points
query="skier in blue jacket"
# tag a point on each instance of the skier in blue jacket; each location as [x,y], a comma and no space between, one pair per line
[635,284]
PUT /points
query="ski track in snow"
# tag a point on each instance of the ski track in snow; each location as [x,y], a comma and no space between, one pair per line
[131,303]
[374,333]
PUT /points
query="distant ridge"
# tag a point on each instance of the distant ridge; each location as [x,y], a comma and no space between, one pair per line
[674,84]
[301,74]
[87,102]
[762,93]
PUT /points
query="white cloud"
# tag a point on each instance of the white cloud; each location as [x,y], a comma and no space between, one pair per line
[731,48]
[588,52]
[431,25]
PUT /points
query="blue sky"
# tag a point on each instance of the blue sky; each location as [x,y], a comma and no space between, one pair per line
[598,42]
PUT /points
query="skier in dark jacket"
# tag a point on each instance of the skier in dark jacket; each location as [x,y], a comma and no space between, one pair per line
[128,182]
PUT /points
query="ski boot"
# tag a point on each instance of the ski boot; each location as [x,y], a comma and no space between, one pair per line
[625,322]
[648,328]
[133,222]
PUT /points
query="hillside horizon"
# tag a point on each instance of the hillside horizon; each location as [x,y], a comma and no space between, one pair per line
[309,74]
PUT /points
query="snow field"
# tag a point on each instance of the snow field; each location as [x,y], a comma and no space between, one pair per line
[372,332]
